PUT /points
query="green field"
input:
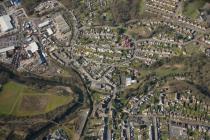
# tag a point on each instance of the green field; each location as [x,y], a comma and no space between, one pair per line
[20,100]
[191,9]
[192,49]
[164,70]
[141,7]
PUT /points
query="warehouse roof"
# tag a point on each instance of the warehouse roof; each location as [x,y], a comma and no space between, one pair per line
[5,23]
[43,24]
[33,47]
[3,50]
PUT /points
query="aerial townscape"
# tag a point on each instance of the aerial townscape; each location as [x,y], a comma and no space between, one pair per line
[104,69]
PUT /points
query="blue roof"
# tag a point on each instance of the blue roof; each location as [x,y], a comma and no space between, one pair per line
[16,2]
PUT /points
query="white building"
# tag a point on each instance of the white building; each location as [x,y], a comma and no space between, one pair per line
[32,48]
[3,50]
[129,81]
[43,24]
[5,23]
[49,31]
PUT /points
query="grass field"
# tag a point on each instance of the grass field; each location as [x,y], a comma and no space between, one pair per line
[20,100]
[190,9]
[138,31]
[169,69]
[164,70]
[192,49]
[142,4]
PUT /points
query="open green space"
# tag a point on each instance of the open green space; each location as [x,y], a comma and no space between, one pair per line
[138,31]
[193,49]
[169,69]
[164,70]
[164,136]
[191,9]
[141,7]
[20,100]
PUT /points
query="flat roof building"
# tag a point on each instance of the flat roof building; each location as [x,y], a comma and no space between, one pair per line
[49,31]
[61,24]
[32,48]
[5,23]
[43,24]
[5,49]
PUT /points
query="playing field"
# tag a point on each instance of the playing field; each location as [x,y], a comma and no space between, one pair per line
[20,100]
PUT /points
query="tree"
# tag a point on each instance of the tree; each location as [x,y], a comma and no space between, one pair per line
[120,11]
[29,5]
[121,30]
[124,10]
[3,78]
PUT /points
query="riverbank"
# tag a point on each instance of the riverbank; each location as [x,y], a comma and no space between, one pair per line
[34,126]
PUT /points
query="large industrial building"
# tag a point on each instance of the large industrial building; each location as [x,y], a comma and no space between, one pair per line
[5,23]
[43,24]
[5,49]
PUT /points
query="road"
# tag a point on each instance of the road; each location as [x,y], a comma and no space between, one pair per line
[171,17]
[178,120]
